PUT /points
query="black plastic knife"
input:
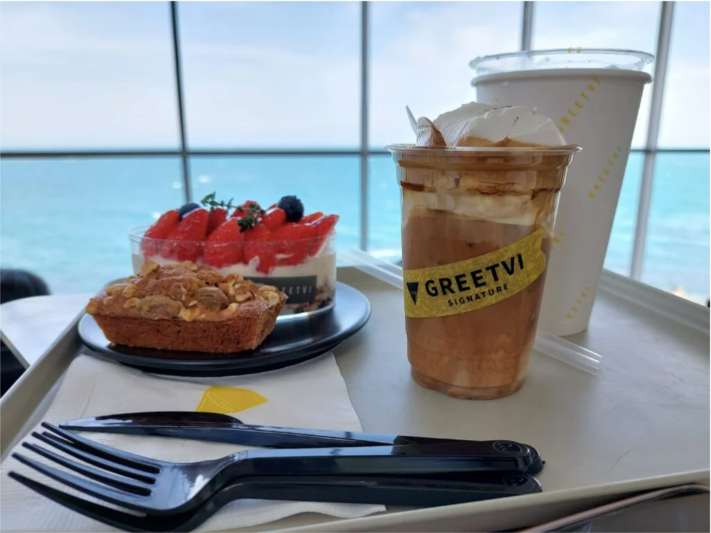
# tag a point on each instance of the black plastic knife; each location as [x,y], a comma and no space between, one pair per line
[214,427]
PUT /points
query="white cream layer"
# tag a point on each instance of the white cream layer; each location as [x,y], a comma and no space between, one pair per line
[513,209]
[322,266]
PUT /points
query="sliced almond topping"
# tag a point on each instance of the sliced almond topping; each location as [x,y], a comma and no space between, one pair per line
[189,313]
[159,307]
[230,310]
[243,296]
[129,291]
[209,276]
[131,302]
[212,297]
[228,288]
[178,292]
[117,288]
[149,266]
[92,306]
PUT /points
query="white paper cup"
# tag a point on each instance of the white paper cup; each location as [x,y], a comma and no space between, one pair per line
[594,97]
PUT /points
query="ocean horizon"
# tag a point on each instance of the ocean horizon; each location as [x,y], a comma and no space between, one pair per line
[68,219]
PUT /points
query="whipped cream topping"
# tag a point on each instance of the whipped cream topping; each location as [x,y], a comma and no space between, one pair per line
[477,124]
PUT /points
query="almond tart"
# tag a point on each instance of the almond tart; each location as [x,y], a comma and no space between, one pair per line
[180,306]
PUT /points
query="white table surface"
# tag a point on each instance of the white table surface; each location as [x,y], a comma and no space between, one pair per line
[29,326]
[645,414]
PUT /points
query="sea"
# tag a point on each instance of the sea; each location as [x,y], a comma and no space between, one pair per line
[67,220]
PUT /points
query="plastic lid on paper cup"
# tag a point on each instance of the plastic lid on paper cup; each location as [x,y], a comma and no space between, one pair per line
[568,61]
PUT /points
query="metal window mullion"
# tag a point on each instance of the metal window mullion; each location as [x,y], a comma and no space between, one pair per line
[179,96]
[655,112]
[266,152]
[364,125]
[527,26]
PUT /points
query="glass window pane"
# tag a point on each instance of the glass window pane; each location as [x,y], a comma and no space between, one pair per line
[677,246]
[685,110]
[629,25]
[619,249]
[330,184]
[276,74]
[384,221]
[68,219]
[419,56]
[79,75]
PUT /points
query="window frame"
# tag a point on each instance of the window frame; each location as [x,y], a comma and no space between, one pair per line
[650,150]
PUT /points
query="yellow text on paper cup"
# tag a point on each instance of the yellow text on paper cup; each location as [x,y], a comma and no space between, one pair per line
[474,283]
[578,104]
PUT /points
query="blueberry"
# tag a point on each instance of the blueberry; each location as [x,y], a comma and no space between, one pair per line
[293,207]
[187,208]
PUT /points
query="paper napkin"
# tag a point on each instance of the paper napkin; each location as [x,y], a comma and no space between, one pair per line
[310,395]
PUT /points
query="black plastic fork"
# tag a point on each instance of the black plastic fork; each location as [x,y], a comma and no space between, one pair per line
[423,491]
[159,487]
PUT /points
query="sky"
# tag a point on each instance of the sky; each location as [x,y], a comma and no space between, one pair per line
[287,75]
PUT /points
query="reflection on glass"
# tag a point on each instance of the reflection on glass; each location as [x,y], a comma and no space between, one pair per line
[263,74]
[619,249]
[627,25]
[685,110]
[78,75]
[419,56]
[677,246]
[330,184]
[68,220]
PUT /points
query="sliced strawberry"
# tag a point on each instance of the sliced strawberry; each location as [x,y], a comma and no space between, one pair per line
[250,204]
[164,225]
[224,245]
[216,217]
[295,240]
[160,230]
[259,243]
[246,208]
[274,218]
[324,226]
[185,242]
[313,217]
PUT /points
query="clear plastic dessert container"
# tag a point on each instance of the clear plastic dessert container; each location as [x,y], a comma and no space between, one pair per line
[304,269]
[476,234]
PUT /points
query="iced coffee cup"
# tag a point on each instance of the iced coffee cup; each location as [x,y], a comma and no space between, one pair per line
[477,221]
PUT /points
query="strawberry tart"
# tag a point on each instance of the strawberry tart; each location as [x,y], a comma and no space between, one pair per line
[279,246]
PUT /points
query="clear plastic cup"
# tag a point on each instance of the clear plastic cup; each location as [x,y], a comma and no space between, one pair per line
[304,269]
[476,233]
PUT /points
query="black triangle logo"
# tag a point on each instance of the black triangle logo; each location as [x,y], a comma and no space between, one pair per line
[412,288]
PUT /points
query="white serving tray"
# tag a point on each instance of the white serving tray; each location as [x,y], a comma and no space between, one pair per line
[640,424]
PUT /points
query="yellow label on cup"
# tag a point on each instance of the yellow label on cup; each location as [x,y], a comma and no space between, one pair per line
[474,283]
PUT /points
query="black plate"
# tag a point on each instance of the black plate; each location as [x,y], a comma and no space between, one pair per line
[295,338]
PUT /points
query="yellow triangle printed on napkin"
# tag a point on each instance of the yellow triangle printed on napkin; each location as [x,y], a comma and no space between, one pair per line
[225,400]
